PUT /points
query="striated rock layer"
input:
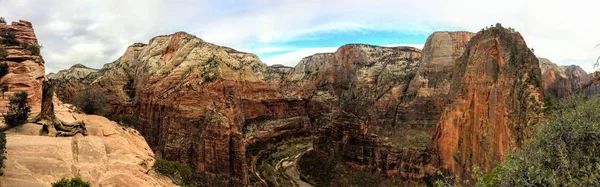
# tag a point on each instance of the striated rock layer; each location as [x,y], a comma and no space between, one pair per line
[26,70]
[496,100]
[210,106]
[380,124]
[428,90]
[72,81]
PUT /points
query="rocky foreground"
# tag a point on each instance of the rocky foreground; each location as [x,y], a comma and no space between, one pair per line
[111,155]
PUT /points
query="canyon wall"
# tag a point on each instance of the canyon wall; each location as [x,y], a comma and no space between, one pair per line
[213,107]
[496,98]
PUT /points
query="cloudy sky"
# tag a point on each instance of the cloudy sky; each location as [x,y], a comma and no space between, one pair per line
[283,31]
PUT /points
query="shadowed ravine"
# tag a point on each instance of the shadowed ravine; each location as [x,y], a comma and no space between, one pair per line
[280,168]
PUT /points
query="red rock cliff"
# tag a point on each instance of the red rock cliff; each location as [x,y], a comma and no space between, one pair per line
[213,107]
[26,70]
[495,101]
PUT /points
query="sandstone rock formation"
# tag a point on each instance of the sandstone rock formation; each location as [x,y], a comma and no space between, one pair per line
[26,70]
[72,81]
[428,90]
[111,155]
[375,108]
[555,82]
[394,140]
[577,75]
[77,71]
[210,106]
[365,86]
[496,100]
[362,79]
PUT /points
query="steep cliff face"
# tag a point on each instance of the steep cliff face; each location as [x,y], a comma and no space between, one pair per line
[577,75]
[26,69]
[427,94]
[213,107]
[495,101]
[362,79]
[555,82]
[365,86]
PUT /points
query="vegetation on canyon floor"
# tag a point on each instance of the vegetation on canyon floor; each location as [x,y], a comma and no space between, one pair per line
[179,172]
[319,170]
[74,182]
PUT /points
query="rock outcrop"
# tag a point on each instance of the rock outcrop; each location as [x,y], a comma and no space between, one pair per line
[555,82]
[576,75]
[26,69]
[362,79]
[72,81]
[111,155]
[428,90]
[495,101]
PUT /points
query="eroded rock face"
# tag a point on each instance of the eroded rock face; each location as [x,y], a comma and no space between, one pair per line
[496,100]
[365,86]
[71,81]
[357,78]
[555,82]
[26,70]
[428,90]
[111,155]
[211,106]
[577,75]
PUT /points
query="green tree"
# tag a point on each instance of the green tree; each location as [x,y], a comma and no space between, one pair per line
[91,101]
[2,20]
[74,182]
[179,172]
[8,38]
[565,150]
[3,69]
[18,110]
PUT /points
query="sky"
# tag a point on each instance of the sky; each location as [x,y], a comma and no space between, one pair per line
[284,31]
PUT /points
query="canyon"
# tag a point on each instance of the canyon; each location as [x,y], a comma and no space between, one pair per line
[399,112]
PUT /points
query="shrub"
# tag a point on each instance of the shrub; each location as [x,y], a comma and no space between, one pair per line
[3,69]
[179,172]
[33,49]
[18,110]
[3,52]
[7,37]
[2,20]
[317,168]
[74,182]
[91,101]
[565,150]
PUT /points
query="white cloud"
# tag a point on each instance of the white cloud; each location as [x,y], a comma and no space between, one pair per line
[564,31]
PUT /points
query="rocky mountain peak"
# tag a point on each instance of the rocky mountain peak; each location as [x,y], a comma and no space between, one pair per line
[496,92]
